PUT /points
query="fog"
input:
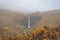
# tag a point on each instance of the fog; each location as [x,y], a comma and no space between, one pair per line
[29,5]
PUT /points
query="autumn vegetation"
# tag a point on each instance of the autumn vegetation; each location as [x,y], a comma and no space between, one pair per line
[39,33]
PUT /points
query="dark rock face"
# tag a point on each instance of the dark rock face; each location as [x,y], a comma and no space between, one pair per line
[33,20]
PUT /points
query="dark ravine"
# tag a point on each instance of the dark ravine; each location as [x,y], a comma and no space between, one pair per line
[33,20]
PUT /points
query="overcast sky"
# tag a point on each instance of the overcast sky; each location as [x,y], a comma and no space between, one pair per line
[30,5]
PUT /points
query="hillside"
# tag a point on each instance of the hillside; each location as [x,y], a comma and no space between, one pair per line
[13,19]
[8,22]
[14,25]
[51,18]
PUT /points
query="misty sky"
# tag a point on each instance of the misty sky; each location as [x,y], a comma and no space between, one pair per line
[30,5]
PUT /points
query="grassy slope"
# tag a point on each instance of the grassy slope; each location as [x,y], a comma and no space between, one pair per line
[51,18]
